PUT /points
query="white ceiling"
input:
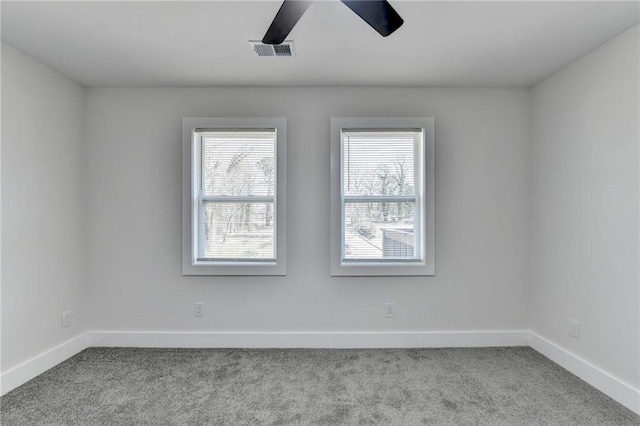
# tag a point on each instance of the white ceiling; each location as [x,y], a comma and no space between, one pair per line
[104,43]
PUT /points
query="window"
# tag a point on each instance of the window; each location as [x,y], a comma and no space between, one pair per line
[382,196]
[234,196]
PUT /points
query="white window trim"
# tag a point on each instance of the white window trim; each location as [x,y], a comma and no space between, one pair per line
[379,268]
[279,267]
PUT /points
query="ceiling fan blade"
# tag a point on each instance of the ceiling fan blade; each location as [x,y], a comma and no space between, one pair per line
[286,18]
[377,13]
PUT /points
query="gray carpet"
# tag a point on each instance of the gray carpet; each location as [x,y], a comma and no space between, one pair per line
[492,386]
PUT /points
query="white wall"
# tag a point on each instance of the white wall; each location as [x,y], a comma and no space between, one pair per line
[482,147]
[44,257]
[584,208]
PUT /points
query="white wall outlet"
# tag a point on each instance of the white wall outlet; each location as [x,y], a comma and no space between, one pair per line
[390,310]
[198,310]
[574,329]
[66,319]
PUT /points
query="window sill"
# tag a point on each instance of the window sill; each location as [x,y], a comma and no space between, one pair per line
[237,269]
[382,270]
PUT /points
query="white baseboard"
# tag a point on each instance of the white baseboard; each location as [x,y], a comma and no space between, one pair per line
[601,380]
[37,365]
[615,388]
[337,339]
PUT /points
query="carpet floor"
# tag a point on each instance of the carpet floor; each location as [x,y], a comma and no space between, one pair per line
[485,386]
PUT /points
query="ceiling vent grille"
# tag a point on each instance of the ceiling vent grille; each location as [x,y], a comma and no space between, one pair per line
[284,50]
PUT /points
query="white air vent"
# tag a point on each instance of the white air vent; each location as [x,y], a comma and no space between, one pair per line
[284,50]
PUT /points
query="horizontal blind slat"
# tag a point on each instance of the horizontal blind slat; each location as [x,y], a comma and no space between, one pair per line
[379,195]
[237,209]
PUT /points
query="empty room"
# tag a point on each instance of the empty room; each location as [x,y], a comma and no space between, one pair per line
[320,212]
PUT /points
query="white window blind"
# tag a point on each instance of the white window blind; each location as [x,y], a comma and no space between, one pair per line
[382,208]
[235,191]
[381,192]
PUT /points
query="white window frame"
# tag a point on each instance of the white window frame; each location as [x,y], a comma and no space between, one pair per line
[190,199]
[425,217]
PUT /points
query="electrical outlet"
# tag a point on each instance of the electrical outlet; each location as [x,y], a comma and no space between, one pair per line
[574,329]
[66,319]
[198,310]
[390,310]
